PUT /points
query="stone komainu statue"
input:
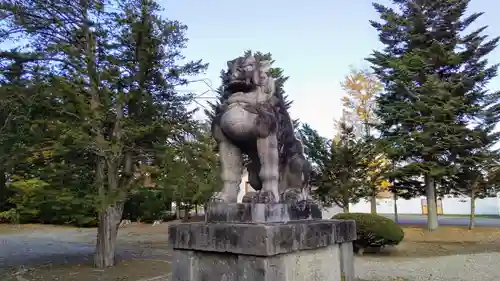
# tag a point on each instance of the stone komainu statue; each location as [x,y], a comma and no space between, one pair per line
[252,119]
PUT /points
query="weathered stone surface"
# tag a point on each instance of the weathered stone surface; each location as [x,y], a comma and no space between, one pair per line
[313,250]
[345,231]
[311,265]
[185,265]
[257,212]
[265,239]
[347,261]
[252,268]
[191,265]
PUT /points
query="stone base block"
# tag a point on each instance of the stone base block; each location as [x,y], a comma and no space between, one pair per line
[262,213]
[313,250]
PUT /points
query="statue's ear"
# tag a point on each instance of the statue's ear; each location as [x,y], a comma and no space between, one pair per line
[265,65]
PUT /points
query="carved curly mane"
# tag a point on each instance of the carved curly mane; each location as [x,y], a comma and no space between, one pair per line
[291,152]
[288,144]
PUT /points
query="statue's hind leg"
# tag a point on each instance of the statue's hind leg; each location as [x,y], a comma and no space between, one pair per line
[232,164]
[267,149]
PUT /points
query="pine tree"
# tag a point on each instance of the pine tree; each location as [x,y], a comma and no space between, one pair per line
[55,172]
[434,77]
[477,161]
[113,73]
[340,167]
[475,178]
[15,92]
[191,172]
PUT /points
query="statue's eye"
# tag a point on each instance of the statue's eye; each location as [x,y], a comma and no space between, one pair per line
[248,68]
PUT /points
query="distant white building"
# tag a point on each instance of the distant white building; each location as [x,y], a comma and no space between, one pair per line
[245,186]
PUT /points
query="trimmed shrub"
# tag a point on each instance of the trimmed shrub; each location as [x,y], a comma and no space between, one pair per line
[373,231]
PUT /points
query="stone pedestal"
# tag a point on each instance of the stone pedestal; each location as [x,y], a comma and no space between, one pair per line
[249,242]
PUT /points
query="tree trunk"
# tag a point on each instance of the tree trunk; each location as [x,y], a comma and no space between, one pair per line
[346,208]
[396,219]
[373,204]
[430,192]
[345,203]
[178,210]
[205,209]
[110,213]
[186,212]
[472,217]
[3,190]
[109,220]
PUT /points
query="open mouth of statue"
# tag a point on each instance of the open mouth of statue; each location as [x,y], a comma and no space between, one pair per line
[240,86]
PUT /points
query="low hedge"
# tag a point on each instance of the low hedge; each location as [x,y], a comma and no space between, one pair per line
[373,231]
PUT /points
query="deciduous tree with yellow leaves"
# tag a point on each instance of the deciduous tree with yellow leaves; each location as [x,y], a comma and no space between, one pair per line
[361,88]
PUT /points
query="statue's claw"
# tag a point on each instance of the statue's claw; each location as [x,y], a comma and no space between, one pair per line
[266,197]
[250,197]
[290,196]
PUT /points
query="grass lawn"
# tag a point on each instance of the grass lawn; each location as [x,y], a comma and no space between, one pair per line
[448,215]
[447,240]
[467,215]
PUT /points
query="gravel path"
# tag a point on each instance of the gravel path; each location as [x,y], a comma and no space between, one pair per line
[477,267]
[30,248]
[27,249]
[41,247]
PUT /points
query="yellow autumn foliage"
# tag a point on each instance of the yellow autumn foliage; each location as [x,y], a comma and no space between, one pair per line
[361,88]
[377,167]
[45,155]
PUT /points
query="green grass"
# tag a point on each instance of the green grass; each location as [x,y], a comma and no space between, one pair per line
[449,215]
[467,215]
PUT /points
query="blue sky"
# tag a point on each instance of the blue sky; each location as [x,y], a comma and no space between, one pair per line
[315,44]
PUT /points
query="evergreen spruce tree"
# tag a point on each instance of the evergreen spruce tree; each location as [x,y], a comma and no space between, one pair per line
[434,73]
[15,95]
[112,67]
[340,166]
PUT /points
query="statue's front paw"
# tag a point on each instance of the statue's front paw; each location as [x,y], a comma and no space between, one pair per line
[250,197]
[290,196]
[266,197]
[217,199]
